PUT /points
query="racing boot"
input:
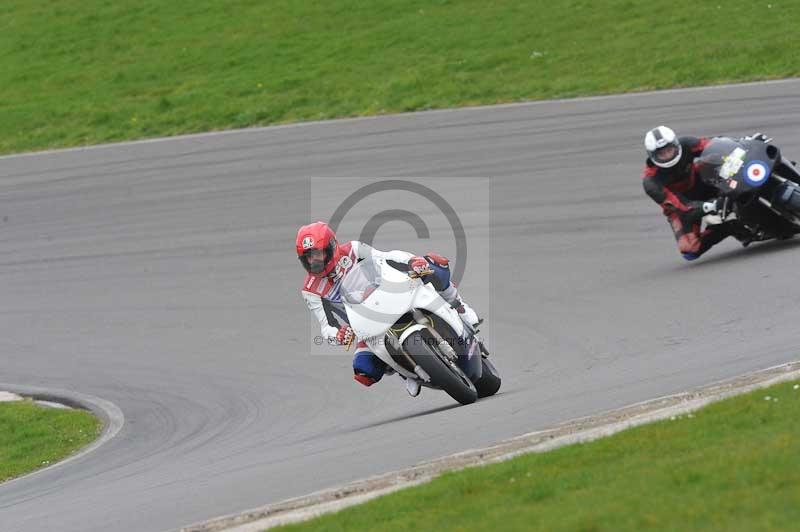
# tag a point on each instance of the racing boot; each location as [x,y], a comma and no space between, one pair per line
[413,387]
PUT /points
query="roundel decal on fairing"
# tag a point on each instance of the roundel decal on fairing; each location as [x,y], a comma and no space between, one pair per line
[755,173]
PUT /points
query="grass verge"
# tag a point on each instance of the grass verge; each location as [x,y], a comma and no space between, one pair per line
[82,72]
[734,465]
[32,436]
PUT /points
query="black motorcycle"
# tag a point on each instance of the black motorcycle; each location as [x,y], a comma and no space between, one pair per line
[761,189]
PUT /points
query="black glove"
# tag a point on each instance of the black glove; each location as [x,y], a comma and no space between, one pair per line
[717,206]
[758,136]
[711,207]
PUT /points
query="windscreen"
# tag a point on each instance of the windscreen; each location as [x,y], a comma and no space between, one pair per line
[721,160]
[361,281]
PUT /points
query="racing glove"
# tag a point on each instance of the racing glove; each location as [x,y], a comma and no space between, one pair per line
[345,336]
[710,207]
[419,265]
[718,206]
[759,136]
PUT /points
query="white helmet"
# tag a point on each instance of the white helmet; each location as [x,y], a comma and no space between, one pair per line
[663,147]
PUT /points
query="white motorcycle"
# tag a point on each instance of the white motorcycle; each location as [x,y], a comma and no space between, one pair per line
[408,325]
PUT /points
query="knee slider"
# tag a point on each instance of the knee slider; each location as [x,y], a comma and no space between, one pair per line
[689,243]
[366,363]
[784,193]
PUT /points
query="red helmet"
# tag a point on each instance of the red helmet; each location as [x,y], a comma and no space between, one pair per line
[317,237]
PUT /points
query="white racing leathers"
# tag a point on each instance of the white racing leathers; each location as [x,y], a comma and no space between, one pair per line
[322,294]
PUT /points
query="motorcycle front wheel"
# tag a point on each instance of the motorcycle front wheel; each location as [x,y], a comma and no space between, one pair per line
[444,372]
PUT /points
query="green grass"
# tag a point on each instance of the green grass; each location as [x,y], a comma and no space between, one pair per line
[75,72]
[733,466]
[32,436]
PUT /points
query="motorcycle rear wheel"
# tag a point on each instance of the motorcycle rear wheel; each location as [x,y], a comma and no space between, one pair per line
[490,381]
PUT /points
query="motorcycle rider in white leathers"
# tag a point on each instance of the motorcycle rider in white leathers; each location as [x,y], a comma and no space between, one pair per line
[327,262]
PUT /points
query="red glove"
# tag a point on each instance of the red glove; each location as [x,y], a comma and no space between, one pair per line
[438,259]
[345,335]
[419,265]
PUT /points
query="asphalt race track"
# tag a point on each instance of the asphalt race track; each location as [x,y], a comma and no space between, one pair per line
[161,276]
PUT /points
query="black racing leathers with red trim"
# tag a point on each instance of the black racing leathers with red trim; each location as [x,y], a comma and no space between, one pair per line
[681,194]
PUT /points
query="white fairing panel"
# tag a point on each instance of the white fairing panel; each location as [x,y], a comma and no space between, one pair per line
[379,311]
[396,295]
[426,297]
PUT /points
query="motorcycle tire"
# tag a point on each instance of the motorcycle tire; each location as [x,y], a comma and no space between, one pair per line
[444,373]
[490,380]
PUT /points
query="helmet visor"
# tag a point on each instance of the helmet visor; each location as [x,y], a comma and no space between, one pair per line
[313,260]
[665,154]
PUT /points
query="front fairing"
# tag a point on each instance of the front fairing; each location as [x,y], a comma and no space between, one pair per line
[736,167]
[426,297]
[396,294]
[381,309]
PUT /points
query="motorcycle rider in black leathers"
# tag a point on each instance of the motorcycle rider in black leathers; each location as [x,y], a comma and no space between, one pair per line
[670,178]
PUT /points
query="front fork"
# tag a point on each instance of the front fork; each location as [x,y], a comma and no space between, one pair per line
[469,361]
